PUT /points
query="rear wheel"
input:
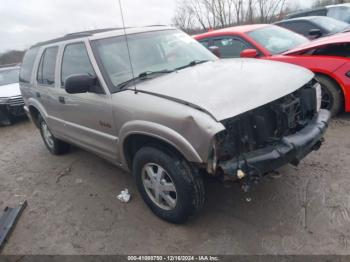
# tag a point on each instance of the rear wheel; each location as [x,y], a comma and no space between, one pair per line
[54,145]
[332,96]
[171,188]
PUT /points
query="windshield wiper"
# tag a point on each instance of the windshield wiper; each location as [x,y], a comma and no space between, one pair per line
[143,76]
[192,63]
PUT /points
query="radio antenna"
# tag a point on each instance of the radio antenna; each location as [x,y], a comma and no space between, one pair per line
[127,44]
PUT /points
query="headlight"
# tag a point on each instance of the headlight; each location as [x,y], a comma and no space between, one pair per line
[4,100]
[212,158]
[318,88]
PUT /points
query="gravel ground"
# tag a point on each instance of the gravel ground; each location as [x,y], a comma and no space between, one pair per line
[72,205]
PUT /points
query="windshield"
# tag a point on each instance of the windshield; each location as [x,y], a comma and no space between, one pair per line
[277,39]
[9,76]
[149,52]
[331,25]
[340,12]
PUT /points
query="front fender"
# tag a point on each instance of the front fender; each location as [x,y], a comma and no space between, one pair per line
[159,132]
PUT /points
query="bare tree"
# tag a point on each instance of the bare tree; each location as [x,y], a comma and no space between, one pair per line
[207,14]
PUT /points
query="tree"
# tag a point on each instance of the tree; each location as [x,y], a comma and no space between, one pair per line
[207,14]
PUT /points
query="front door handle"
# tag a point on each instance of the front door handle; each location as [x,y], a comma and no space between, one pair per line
[61,100]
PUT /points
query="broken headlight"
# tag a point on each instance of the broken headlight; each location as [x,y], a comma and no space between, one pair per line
[212,158]
[318,89]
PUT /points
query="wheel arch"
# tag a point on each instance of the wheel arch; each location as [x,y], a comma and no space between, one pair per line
[139,133]
[336,81]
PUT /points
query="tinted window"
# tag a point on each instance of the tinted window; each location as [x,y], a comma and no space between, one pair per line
[230,47]
[27,65]
[300,27]
[47,66]
[75,61]
[331,25]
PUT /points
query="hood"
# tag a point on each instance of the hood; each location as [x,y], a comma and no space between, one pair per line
[226,88]
[327,40]
[10,90]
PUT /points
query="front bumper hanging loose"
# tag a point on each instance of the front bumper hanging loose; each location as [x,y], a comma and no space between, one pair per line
[289,150]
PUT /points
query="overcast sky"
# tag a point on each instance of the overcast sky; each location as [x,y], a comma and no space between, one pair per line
[25,22]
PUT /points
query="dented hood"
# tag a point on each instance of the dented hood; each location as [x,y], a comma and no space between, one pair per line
[226,88]
[327,40]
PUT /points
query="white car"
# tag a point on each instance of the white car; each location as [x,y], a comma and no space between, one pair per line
[11,102]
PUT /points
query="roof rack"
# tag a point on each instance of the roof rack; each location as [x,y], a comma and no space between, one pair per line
[75,36]
[10,65]
[82,34]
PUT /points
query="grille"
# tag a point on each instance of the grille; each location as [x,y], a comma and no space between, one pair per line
[16,101]
[267,124]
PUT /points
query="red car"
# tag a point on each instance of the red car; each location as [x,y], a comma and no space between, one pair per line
[328,57]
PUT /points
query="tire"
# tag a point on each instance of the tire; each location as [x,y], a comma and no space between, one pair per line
[54,145]
[189,195]
[332,96]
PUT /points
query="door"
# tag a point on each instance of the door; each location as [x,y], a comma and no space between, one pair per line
[45,90]
[88,117]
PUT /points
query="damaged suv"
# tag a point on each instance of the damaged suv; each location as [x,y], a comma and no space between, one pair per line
[157,103]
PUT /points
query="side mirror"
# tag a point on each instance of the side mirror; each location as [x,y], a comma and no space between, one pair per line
[77,84]
[249,53]
[215,50]
[315,33]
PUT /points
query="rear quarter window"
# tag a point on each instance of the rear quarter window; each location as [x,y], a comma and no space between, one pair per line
[27,65]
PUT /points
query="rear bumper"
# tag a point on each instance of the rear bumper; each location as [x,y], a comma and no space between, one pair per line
[290,149]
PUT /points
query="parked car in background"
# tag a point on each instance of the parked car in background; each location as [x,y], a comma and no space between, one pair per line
[172,113]
[314,27]
[11,102]
[327,57]
[340,12]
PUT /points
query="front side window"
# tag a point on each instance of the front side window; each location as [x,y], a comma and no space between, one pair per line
[9,76]
[149,52]
[277,39]
[75,61]
[230,47]
[47,66]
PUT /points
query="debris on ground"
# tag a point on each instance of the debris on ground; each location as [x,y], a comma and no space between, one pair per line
[62,174]
[8,221]
[124,196]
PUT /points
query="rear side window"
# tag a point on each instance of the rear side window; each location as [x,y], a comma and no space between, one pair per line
[75,61]
[47,66]
[27,65]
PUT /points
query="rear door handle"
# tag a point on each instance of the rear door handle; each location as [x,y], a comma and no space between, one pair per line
[61,100]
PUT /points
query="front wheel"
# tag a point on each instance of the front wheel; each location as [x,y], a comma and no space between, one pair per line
[332,96]
[54,145]
[168,184]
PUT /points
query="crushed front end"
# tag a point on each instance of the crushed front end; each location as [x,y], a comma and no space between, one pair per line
[266,138]
[9,108]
